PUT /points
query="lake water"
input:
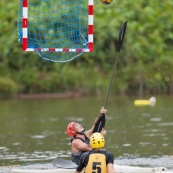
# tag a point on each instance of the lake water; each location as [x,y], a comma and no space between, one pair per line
[33,130]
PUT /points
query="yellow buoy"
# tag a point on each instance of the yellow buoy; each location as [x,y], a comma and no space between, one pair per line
[150,102]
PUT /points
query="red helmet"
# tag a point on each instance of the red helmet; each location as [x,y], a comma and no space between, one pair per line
[70,129]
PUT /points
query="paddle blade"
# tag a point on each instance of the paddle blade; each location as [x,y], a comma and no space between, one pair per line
[62,163]
[100,124]
[121,36]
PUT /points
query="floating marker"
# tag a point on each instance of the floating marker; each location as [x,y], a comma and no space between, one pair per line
[150,102]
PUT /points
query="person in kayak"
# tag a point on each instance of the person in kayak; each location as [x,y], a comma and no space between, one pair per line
[96,160]
[80,137]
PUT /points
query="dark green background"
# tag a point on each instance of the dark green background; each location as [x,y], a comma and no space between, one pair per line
[146,58]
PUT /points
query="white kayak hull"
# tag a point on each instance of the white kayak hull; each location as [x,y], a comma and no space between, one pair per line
[118,169]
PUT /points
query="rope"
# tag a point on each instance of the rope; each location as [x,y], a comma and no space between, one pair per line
[24,164]
[139,157]
[117,158]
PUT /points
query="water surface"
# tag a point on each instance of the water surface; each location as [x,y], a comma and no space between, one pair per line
[33,130]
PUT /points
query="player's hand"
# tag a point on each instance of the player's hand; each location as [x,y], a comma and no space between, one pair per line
[103,110]
[103,132]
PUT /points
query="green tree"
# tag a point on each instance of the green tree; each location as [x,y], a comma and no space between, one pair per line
[145,64]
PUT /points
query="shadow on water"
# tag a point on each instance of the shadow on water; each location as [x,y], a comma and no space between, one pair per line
[34,130]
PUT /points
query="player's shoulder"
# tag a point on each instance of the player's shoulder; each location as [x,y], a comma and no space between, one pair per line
[85,156]
[106,153]
[87,153]
[77,141]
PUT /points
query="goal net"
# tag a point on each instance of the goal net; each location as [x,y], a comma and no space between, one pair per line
[58,30]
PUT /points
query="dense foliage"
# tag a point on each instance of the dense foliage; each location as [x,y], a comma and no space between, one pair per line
[145,61]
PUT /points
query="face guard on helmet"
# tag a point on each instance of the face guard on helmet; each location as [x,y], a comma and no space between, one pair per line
[97,141]
[70,129]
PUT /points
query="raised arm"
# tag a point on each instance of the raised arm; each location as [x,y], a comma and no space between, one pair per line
[90,131]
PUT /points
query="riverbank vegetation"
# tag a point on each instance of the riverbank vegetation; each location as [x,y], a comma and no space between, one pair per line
[145,61]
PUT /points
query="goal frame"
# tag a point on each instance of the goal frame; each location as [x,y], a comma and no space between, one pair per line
[25,24]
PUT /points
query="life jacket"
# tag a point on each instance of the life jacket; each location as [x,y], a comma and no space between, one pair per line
[96,163]
[76,156]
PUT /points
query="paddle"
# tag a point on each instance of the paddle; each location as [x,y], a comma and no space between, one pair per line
[102,120]
[100,124]
[62,163]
